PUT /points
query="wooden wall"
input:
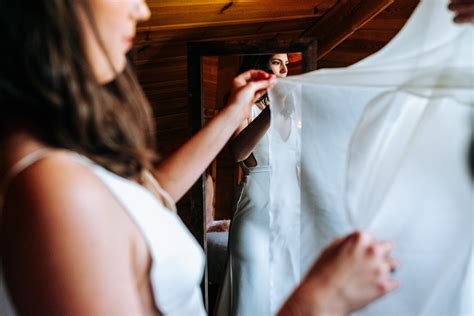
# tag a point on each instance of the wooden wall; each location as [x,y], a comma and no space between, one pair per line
[371,37]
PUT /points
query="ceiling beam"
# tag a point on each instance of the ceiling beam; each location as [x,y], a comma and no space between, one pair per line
[236,23]
[346,17]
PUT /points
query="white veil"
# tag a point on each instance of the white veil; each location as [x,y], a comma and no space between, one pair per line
[381,146]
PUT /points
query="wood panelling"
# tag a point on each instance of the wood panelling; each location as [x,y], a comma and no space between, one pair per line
[343,20]
[168,14]
[248,30]
[370,38]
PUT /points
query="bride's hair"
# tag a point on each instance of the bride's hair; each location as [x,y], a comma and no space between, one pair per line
[47,80]
[259,62]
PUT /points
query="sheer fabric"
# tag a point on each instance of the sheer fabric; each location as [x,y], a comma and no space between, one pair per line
[382,146]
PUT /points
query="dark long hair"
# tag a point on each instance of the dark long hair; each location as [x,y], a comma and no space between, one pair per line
[259,62]
[46,78]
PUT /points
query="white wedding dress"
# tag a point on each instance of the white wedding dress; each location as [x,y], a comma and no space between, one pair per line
[246,286]
[383,147]
[178,260]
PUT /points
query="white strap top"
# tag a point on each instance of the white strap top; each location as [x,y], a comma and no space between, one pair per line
[260,152]
[178,260]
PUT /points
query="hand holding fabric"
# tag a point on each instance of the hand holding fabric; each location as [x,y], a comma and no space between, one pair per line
[249,86]
[464,10]
[350,273]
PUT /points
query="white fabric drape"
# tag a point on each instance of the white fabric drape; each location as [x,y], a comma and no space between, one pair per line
[382,146]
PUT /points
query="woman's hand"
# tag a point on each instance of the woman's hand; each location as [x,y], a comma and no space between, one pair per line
[248,87]
[180,170]
[349,274]
[464,10]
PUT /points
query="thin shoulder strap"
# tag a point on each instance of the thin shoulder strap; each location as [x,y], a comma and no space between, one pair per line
[159,191]
[19,167]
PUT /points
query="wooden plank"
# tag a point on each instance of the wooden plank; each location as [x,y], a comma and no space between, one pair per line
[385,24]
[368,34]
[348,57]
[173,121]
[162,72]
[199,13]
[224,32]
[361,45]
[342,21]
[228,24]
[310,57]
[148,51]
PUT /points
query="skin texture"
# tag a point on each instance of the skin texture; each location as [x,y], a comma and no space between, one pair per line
[350,273]
[116,22]
[279,64]
[50,232]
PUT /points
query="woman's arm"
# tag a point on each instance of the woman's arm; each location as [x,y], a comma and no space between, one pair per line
[179,172]
[249,135]
[61,252]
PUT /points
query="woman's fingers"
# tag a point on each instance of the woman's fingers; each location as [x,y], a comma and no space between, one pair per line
[464,10]
[258,88]
[393,264]
[388,285]
[250,89]
[248,76]
[464,18]
[386,248]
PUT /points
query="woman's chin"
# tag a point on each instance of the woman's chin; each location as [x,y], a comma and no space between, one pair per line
[108,74]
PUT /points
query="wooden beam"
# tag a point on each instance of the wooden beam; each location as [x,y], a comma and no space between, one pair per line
[310,57]
[218,24]
[255,47]
[201,12]
[156,38]
[342,21]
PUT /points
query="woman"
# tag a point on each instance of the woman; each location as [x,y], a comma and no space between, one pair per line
[246,288]
[86,228]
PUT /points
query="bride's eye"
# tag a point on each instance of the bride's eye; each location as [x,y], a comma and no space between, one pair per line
[275,62]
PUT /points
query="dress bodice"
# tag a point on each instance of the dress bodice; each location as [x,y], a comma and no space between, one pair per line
[261,150]
[177,259]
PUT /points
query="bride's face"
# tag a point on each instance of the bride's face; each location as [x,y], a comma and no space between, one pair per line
[115,22]
[279,65]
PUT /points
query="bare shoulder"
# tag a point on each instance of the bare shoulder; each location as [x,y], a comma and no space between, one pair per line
[57,183]
[60,216]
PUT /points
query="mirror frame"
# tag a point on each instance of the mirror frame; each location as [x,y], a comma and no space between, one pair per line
[195,52]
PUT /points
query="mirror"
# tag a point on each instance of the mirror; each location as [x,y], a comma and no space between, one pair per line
[227,181]
[211,68]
